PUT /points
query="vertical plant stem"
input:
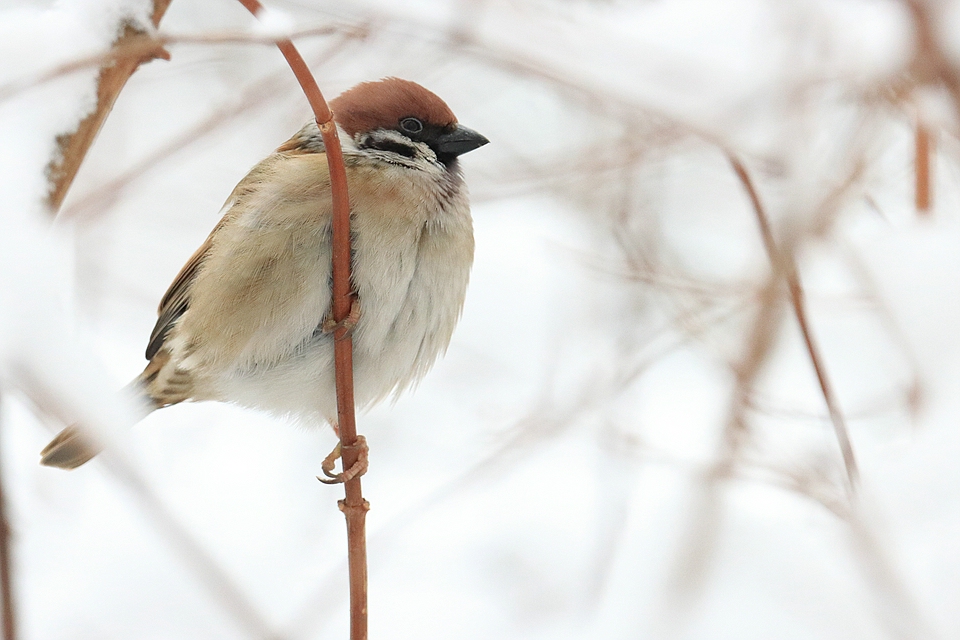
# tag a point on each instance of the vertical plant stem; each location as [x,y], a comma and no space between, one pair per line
[6,566]
[784,267]
[924,150]
[932,64]
[72,147]
[354,507]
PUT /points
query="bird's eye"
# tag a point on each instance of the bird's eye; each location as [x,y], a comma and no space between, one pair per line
[411,125]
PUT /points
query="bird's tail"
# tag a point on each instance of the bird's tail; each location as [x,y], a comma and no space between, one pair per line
[70,449]
[74,446]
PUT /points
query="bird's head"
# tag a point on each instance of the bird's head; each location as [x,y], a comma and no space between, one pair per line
[397,116]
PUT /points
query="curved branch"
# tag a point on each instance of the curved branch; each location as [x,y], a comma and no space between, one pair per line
[353,506]
[72,147]
[784,267]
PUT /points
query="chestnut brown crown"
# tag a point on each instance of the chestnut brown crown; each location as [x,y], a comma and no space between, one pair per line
[406,108]
[383,104]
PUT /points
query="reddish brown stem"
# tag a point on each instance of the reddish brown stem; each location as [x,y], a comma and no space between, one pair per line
[353,506]
[62,170]
[784,267]
[924,149]
[931,63]
[72,148]
[6,571]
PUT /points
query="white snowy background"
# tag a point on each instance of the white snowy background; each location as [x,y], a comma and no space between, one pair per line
[556,474]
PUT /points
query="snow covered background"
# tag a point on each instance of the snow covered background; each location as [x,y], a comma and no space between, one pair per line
[556,475]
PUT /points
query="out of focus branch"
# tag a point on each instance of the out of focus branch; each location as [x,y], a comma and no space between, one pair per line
[924,146]
[784,267]
[698,547]
[92,204]
[72,147]
[6,569]
[134,47]
[700,541]
[144,45]
[220,585]
[931,64]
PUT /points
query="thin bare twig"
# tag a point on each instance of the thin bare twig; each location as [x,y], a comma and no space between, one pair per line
[143,45]
[923,152]
[354,507]
[784,267]
[6,565]
[931,64]
[92,204]
[220,585]
[700,540]
[549,417]
[223,589]
[63,169]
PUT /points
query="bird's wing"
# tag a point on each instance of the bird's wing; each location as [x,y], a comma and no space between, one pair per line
[259,286]
[177,298]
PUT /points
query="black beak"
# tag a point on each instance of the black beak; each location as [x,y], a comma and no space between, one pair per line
[458,142]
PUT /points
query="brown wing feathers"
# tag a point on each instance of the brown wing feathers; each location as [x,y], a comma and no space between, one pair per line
[176,300]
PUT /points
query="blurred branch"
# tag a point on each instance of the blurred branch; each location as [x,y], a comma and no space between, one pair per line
[550,417]
[72,147]
[261,92]
[699,545]
[924,153]
[220,585]
[784,267]
[914,392]
[131,49]
[517,62]
[698,548]
[6,564]
[931,63]
[144,44]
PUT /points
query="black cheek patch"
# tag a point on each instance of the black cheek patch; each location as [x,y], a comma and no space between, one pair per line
[393,147]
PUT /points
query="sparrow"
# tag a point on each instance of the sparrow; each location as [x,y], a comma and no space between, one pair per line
[248,319]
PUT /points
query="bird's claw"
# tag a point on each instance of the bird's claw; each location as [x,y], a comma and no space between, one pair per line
[349,323]
[355,471]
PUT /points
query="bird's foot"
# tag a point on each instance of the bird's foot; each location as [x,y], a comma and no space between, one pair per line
[355,471]
[349,323]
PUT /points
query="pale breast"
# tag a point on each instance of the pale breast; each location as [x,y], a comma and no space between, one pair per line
[412,291]
[252,331]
